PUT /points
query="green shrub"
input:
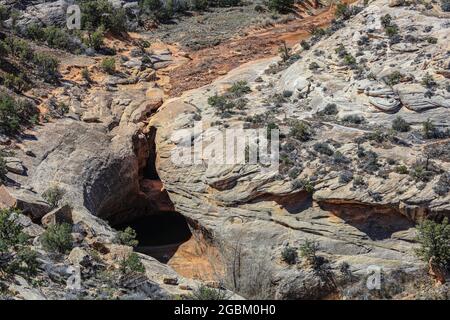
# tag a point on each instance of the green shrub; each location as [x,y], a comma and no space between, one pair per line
[101,13]
[349,60]
[323,148]
[57,238]
[221,104]
[109,65]
[47,66]
[239,88]
[15,82]
[3,169]
[342,11]
[303,184]
[393,78]
[300,130]
[313,66]
[289,255]
[305,45]
[27,262]
[391,31]
[308,251]
[95,39]
[429,130]
[127,237]
[386,20]
[402,169]
[428,81]
[330,109]
[282,6]
[13,113]
[445,5]
[86,75]
[159,11]
[399,124]
[132,264]
[11,234]
[205,293]
[53,196]
[434,240]
[355,119]
[59,39]
[19,48]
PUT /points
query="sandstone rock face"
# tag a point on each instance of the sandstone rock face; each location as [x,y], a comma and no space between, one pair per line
[359,214]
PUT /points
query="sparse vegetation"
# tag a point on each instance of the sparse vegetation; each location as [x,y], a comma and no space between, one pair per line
[300,130]
[289,255]
[308,251]
[206,293]
[53,196]
[239,88]
[108,65]
[434,239]
[132,264]
[127,237]
[102,14]
[399,124]
[323,148]
[14,113]
[393,78]
[57,238]
[282,6]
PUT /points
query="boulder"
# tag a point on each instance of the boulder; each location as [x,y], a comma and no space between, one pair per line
[57,216]
[29,202]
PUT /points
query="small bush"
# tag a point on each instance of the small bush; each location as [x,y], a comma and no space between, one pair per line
[355,119]
[95,39]
[308,251]
[434,239]
[330,109]
[239,88]
[132,264]
[11,234]
[305,45]
[303,184]
[57,238]
[345,176]
[399,124]
[205,293]
[300,130]
[386,20]
[401,169]
[393,78]
[3,169]
[428,81]
[53,196]
[86,75]
[289,255]
[313,66]
[108,65]
[47,66]
[101,13]
[221,104]
[323,148]
[429,130]
[127,237]
[391,31]
[282,6]
[442,187]
[14,113]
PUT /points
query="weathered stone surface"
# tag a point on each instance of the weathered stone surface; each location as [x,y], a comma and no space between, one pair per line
[362,226]
[29,202]
[57,216]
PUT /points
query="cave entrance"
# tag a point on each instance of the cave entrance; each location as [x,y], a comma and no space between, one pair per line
[160,234]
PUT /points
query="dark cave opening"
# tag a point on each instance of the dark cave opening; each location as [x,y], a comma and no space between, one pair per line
[150,171]
[160,234]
